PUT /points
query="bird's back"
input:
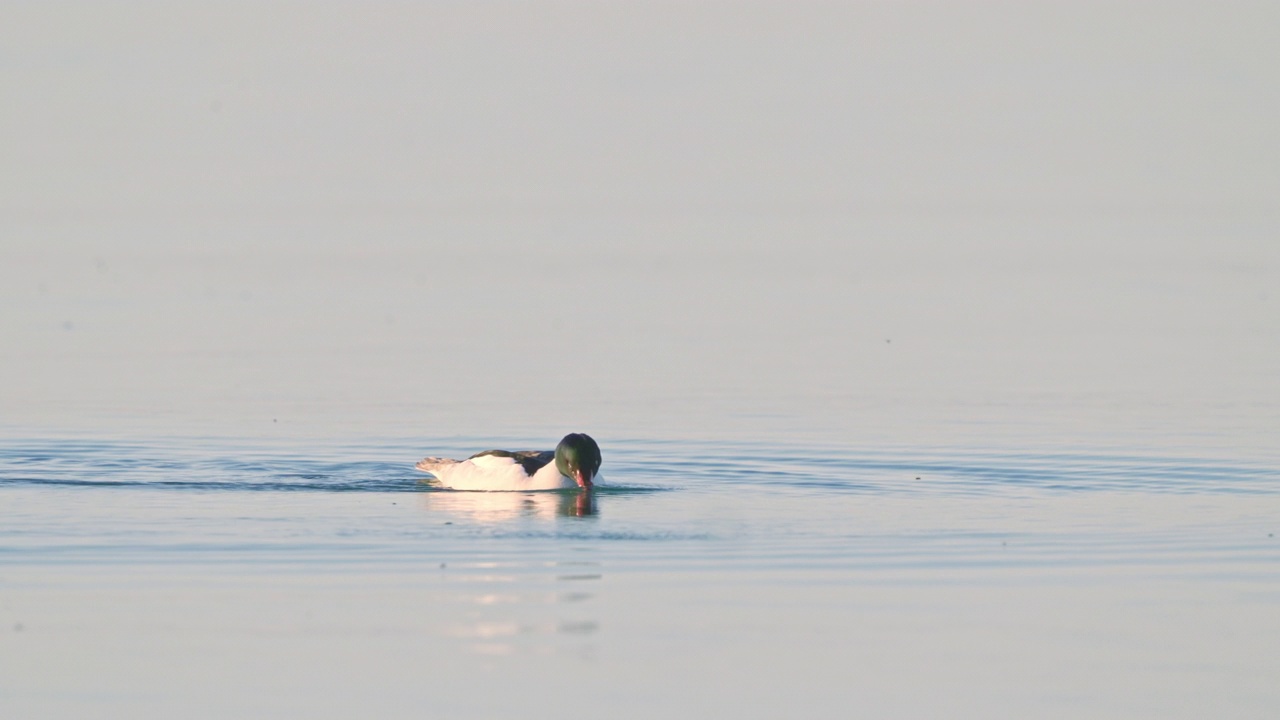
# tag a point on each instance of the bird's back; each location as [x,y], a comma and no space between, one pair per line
[498,470]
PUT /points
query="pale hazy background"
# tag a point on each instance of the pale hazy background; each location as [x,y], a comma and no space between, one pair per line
[882,221]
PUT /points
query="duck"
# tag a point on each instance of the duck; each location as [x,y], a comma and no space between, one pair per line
[575,463]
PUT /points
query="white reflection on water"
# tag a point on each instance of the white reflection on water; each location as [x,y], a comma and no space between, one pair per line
[498,507]
[530,622]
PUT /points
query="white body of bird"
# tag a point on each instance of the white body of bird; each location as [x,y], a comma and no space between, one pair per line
[494,473]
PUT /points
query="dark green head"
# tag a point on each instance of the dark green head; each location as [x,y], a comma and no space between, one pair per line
[578,457]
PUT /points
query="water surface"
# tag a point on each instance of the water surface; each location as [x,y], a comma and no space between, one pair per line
[143,576]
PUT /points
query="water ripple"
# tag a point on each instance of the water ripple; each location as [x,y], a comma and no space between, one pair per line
[631,466]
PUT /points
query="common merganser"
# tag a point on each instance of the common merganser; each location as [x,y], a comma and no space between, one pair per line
[576,464]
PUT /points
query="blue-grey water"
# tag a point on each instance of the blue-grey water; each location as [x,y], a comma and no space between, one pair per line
[932,347]
[249,577]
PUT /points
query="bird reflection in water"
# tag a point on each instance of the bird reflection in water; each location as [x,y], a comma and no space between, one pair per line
[581,503]
[496,507]
[529,607]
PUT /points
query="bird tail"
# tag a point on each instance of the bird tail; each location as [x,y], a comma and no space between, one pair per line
[431,464]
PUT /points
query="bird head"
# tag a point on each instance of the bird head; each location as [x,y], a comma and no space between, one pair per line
[578,457]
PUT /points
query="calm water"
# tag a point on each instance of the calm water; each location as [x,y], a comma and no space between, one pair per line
[932,347]
[227,576]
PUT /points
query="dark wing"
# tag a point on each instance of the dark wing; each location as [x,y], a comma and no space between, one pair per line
[531,460]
